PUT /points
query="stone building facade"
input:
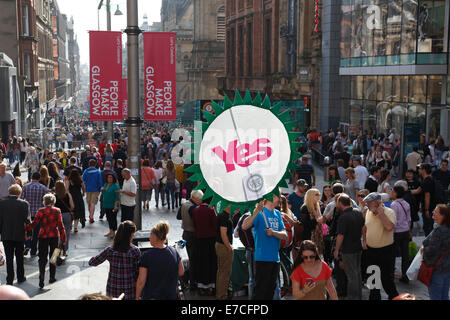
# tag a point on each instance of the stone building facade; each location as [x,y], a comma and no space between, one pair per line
[274,47]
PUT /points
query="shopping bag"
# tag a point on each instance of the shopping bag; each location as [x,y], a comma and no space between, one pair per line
[413,269]
[55,256]
[412,246]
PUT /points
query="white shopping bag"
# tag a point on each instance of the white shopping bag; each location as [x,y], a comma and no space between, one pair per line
[413,269]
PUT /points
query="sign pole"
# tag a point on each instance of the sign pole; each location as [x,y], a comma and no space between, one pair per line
[134,120]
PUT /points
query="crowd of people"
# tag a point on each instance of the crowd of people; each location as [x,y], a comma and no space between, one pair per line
[360,218]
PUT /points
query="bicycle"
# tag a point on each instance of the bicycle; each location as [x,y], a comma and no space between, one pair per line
[284,277]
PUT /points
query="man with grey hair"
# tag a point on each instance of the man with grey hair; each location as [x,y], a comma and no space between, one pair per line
[185,215]
[128,196]
[14,215]
[6,180]
[378,240]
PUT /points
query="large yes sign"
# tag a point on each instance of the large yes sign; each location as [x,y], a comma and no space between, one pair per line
[243,155]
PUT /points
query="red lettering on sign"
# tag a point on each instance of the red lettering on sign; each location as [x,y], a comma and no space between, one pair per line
[243,155]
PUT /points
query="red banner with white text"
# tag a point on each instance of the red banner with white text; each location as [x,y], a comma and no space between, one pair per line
[160,76]
[105,75]
[124,98]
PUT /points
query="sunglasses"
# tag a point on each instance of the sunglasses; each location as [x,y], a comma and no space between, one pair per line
[360,196]
[317,194]
[309,257]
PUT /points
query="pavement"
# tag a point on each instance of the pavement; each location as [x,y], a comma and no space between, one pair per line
[76,277]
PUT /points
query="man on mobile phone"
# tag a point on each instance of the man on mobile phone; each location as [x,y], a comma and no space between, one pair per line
[269,230]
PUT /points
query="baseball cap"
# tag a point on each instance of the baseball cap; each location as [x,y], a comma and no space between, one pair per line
[374,196]
[302,183]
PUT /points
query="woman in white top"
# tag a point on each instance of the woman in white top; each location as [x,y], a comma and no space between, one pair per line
[159,187]
[384,186]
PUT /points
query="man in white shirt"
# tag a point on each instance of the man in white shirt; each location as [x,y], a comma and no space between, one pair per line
[413,159]
[128,196]
[361,172]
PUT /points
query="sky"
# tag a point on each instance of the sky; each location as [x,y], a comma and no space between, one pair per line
[86,17]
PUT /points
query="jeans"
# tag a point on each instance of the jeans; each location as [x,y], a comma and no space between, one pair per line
[159,192]
[127,213]
[67,221]
[44,252]
[33,242]
[352,263]
[439,286]
[265,279]
[189,238]
[14,248]
[384,258]
[170,190]
[401,240]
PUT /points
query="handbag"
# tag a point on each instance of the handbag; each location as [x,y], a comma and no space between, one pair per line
[56,253]
[426,272]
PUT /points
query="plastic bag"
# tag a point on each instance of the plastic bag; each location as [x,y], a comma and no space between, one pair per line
[55,256]
[413,269]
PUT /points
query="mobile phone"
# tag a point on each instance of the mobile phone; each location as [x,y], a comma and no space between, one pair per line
[309,281]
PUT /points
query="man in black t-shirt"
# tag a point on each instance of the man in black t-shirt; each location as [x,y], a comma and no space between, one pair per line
[72,166]
[224,252]
[348,242]
[443,175]
[427,190]
[305,171]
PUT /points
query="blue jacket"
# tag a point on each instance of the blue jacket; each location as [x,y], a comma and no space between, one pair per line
[92,179]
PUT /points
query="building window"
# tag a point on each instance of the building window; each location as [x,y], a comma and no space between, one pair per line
[233,52]
[241,50]
[221,24]
[25,20]
[249,49]
[27,67]
[268,45]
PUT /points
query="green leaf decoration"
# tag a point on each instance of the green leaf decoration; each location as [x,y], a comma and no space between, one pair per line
[290,125]
[217,109]
[276,108]
[209,116]
[238,99]
[193,169]
[266,103]
[227,103]
[258,100]
[284,116]
[208,194]
[248,98]
[196,177]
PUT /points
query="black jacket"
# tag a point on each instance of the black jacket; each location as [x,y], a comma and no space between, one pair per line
[371,185]
[14,214]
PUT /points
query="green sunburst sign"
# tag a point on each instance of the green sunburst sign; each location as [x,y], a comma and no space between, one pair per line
[244,153]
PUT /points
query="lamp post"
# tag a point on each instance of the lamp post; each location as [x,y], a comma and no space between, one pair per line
[109,124]
[134,120]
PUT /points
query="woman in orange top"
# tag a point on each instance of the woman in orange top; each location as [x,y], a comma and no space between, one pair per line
[148,179]
[311,276]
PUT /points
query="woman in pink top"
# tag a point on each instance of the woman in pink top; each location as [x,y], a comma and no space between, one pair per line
[311,276]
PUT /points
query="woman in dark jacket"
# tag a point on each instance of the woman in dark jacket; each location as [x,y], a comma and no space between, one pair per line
[434,246]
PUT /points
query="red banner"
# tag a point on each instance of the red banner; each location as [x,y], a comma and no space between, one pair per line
[125,98]
[160,76]
[105,75]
